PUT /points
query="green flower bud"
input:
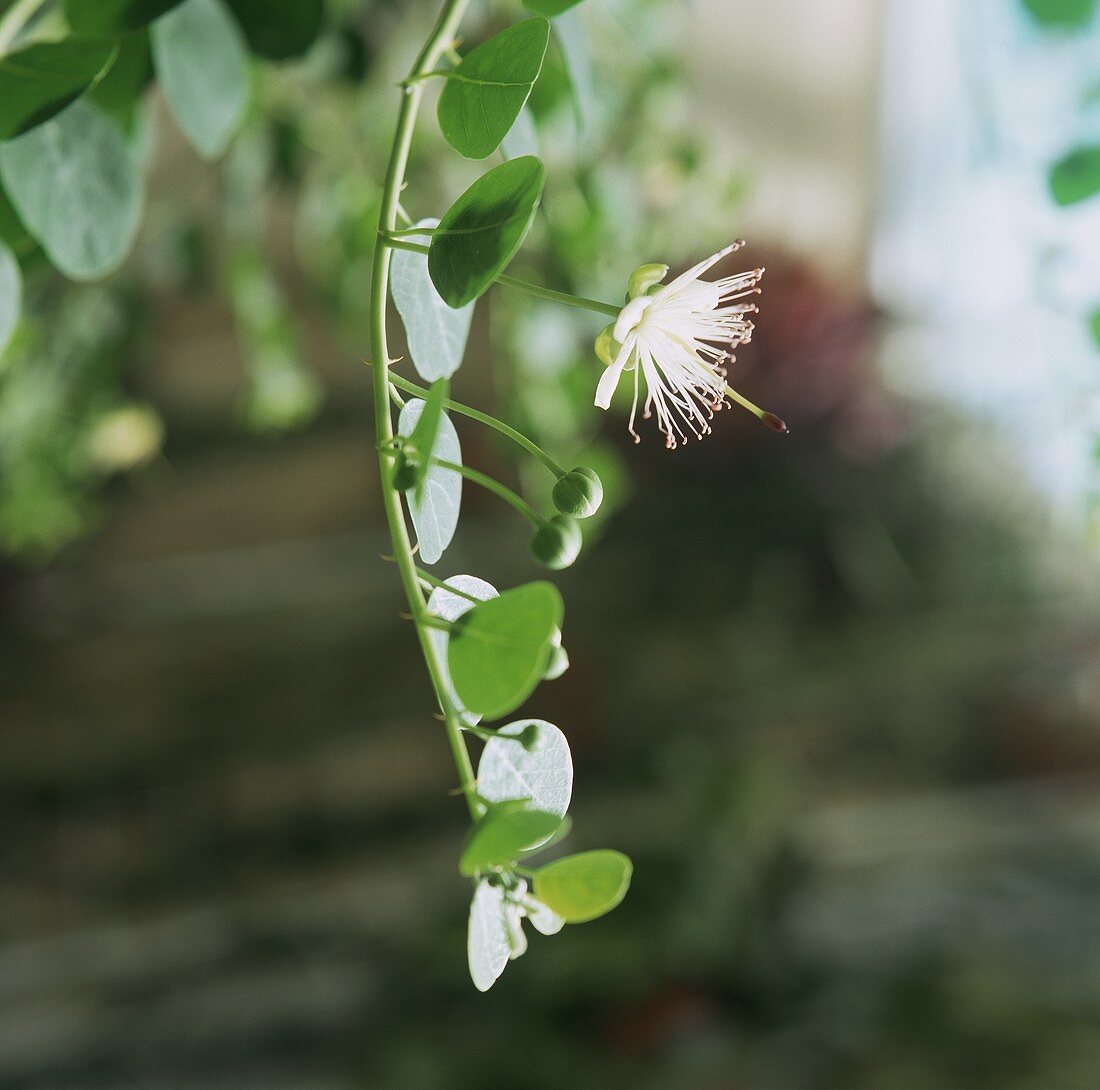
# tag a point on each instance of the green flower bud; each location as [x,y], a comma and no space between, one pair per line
[579,493]
[559,659]
[607,348]
[556,543]
[406,472]
[644,278]
[528,737]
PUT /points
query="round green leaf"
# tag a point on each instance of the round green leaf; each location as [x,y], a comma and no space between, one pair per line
[486,92]
[583,887]
[505,832]
[434,507]
[41,80]
[119,91]
[487,944]
[11,295]
[483,229]
[1067,14]
[76,185]
[499,650]
[202,66]
[450,605]
[549,8]
[1077,176]
[539,768]
[279,29]
[436,333]
[114,16]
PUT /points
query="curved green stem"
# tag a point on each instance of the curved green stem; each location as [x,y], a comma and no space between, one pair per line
[506,430]
[436,45]
[539,292]
[394,240]
[491,484]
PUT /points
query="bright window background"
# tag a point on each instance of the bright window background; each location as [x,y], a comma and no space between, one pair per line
[911,156]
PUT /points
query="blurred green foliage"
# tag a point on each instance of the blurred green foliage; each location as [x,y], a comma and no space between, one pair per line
[1069,14]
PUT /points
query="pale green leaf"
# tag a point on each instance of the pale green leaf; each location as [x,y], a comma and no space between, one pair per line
[583,887]
[487,943]
[11,295]
[544,920]
[435,514]
[578,63]
[202,66]
[538,768]
[76,185]
[436,333]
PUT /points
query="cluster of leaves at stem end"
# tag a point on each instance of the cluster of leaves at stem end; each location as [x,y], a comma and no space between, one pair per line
[557,542]
[579,493]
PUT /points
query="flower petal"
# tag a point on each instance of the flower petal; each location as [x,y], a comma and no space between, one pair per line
[609,380]
[696,270]
[630,316]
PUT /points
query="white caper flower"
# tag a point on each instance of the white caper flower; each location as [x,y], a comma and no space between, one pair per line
[677,337]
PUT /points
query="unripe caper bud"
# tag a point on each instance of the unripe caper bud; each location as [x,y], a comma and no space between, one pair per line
[556,543]
[579,493]
[606,347]
[645,278]
[406,471]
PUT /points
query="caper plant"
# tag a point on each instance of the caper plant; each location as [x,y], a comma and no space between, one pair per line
[486,651]
[72,80]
